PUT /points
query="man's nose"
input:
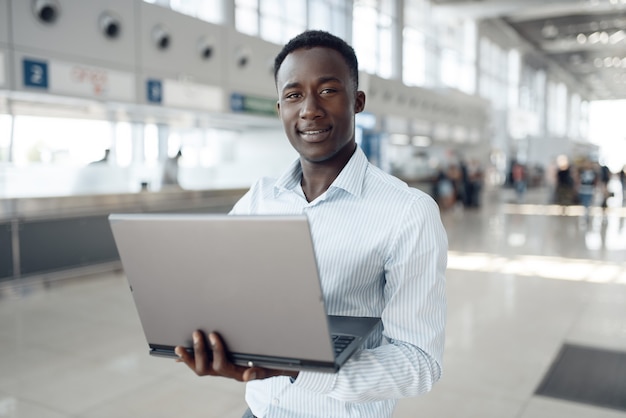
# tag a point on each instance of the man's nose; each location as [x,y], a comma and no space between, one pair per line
[311,107]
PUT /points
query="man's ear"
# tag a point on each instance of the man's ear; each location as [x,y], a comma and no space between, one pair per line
[278,107]
[359,102]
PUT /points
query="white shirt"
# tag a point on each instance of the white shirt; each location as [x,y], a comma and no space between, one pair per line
[382,251]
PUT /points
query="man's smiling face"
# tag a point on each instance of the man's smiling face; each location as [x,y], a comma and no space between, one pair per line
[317,103]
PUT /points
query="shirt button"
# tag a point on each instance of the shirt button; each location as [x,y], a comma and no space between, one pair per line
[275,401]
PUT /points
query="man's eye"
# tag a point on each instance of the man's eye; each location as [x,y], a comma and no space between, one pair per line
[328,91]
[292,95]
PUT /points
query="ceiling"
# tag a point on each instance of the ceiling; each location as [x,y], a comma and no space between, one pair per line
[586,38]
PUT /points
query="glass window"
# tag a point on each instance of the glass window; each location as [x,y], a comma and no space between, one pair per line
[247,17]
[494,73]
[73,142]
[467,73]
[575,116]
[364,37]
[281,19]
[207,10]
[278,21]
[514,79]
[557,108]
[414,57]
[151,144]
[5,137]
[450,68]
[561,109]
[372,35]
[333,16]
[123,143]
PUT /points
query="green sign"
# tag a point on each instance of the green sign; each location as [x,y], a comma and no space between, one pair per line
[253,104]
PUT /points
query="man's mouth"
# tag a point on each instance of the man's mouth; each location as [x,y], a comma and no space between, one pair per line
[314,132]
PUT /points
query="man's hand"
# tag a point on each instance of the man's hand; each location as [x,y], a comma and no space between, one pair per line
[202,365]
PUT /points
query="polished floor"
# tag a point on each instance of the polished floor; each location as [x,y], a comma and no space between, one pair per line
[524,278]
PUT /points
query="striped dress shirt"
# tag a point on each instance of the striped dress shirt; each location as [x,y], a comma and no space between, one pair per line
[382,251]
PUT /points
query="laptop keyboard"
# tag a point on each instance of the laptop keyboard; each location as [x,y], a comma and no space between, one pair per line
[340,342]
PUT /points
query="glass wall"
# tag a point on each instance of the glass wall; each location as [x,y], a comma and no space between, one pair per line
[278,21]
[414,35]
[373,26]
[5,137]
[207,10]
[494,73]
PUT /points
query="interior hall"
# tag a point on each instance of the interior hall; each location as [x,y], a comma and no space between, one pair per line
[508,113]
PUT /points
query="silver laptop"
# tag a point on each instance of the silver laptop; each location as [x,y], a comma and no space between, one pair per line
[252,279]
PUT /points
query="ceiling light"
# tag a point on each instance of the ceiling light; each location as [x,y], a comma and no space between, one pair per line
[549,31]
[617,62]
[608,62]
[576,59]
[598,62]
[421,141]
[604,38]
[399,139]
[594,37]
[581,38]
[617,37]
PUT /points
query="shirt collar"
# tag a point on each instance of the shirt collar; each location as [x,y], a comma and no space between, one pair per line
[349,179]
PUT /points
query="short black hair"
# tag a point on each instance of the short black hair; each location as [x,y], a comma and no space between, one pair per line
[317,38]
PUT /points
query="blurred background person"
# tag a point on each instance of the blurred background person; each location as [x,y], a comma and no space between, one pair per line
[587,182]
[170,171]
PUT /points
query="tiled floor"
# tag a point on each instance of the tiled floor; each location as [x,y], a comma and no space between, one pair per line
[522,280]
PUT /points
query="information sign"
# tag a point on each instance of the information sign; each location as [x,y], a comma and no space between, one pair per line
[154,91]
[252,104]
[35,73]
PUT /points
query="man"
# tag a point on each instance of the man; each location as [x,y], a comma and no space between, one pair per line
[380,246]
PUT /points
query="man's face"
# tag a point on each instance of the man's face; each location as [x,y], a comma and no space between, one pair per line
[317,103]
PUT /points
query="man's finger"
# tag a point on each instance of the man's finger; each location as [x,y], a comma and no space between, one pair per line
[200,354]
[253,373]
[221,365]
[184,357]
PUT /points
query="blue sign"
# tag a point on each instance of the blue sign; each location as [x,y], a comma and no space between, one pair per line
[236,102]
[154,90]
[35,73]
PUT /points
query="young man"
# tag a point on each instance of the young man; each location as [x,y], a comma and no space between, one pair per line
[380,246]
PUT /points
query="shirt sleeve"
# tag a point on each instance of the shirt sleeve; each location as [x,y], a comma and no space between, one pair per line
[409,362]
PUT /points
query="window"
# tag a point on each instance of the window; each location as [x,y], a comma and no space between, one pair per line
[557,108]
[414,57]
[247,17]
[334,16]
[207,10]
[494,73]
[278,21]
[372,35]
[281,20]
[42,140]
[5,137]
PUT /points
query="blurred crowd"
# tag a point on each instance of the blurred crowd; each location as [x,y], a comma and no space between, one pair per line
[459,184]
[582,181]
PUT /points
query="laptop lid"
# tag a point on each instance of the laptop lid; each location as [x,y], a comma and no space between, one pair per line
[253,279]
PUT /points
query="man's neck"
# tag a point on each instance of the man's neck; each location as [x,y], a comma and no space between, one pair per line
[317,177]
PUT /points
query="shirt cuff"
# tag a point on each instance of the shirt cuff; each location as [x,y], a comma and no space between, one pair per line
[316,382]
